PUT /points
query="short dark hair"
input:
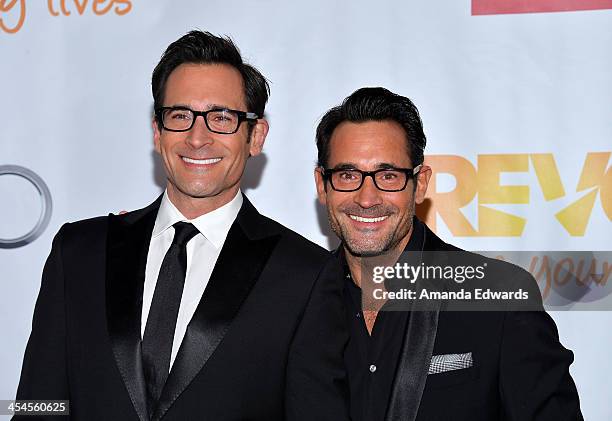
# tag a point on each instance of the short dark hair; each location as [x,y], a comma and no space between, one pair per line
[200,47]
[373,104]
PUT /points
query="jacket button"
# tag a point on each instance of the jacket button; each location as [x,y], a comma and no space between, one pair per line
[372,368]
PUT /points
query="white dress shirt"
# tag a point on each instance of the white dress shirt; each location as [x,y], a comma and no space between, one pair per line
[202,253]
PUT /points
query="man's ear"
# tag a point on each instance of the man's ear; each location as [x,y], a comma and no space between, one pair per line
[258,136]
[320,183]
[422,181]
[156,136]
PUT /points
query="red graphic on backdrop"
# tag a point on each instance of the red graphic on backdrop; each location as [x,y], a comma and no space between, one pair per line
[498,7]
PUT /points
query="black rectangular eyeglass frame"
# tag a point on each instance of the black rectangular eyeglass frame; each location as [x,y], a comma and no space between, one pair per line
[410,173]
[242,116]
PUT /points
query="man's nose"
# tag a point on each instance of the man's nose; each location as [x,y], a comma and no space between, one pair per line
[368,195]
[199,135]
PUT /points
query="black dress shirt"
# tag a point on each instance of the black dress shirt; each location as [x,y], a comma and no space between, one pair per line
[371,361]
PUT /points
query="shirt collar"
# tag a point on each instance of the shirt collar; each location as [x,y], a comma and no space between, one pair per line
[214,225]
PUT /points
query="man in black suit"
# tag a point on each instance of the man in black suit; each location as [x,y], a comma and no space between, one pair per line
[427,363]
[196,307]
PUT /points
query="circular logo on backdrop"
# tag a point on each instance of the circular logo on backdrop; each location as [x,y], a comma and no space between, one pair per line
[45,208]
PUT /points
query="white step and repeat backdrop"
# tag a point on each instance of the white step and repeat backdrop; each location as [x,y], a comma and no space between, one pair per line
[516,99]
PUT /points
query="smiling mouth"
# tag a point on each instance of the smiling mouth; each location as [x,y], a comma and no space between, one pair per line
[368,220]
[208,161]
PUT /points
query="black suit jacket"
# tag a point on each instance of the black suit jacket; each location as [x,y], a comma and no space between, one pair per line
[520,370]
[265,342]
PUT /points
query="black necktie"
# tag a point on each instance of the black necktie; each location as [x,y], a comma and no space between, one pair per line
[161,321]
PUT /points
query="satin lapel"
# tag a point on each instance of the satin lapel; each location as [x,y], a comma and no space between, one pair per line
[413,366]
[127,246]
[417,349]
[236,271]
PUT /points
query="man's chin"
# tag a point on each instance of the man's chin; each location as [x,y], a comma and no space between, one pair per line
[365,250]
[194,192]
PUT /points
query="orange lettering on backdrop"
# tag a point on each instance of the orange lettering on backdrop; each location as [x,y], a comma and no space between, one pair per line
[492,222]
[605,193]
[607,269]
[99,7]
[65,11]
[51,9]
[544,273]
[595,176]
[567,273]
[448,204]
[7,7]
[126,9]
[80,6]
[583,280]
[548,175]
[103,11]
[484,180]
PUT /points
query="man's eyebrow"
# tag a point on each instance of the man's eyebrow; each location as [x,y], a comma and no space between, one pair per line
[387,166]
[352,166]
[209,107]
[344,166]
[219,107]
[179,105]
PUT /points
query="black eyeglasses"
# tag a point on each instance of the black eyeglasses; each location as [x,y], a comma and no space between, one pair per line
[222,121]
[385,179]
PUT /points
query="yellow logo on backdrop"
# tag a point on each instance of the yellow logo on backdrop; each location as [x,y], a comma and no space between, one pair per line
[15,10]
[484,180]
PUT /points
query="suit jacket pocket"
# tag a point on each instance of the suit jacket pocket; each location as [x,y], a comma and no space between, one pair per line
[451,378]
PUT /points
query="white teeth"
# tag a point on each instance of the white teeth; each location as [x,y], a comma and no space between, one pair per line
[362,219]
[201,161]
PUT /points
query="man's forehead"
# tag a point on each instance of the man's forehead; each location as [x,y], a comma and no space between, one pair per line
[371,144]
[206,86]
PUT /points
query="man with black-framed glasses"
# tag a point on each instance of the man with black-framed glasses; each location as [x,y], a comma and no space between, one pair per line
[218,120]
[417,360]
[196,307]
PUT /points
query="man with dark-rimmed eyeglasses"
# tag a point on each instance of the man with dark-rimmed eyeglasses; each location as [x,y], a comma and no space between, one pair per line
[195,307]
[411,358]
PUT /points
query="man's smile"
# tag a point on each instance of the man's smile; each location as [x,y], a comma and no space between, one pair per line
[200,162]
[368,220]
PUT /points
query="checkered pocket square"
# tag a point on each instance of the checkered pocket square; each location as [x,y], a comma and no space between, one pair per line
[449,362]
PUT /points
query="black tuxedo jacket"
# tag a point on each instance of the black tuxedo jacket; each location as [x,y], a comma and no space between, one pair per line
[520,370]
[265,342]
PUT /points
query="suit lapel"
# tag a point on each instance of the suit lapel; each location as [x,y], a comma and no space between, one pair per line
[127,245]
[415,356]
[242,258]
[413,366]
